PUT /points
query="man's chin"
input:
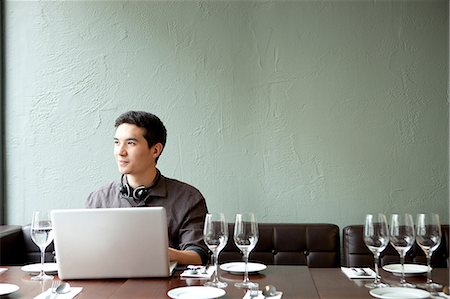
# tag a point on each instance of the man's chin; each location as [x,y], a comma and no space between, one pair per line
[123,170]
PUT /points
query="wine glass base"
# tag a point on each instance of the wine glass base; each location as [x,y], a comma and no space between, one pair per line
[216,284]
[373,285]
[42,277]
[246,285]
[430,286]
[405,285]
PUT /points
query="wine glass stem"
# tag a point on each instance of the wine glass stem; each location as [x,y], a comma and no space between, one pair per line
[245,267]
[42,261]
[429,280]
[214,260]
[402,262]
[376,257]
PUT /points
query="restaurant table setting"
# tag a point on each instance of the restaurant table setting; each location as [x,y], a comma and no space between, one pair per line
[60,291]
[358,273]
[239,267]
[199,272]
[35,269]
[269,291]
[409,269]
[402,233]
[8,288]
[215,236]
[204,282]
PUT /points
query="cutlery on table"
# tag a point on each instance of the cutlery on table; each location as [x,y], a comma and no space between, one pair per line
[360,271]
[55,284]
[58,288]
[269,291]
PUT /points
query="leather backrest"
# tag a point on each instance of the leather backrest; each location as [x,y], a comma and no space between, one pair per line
[356,253]
[314,245]
[12,251]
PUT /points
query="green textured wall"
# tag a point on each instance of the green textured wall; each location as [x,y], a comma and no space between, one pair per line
[299,111]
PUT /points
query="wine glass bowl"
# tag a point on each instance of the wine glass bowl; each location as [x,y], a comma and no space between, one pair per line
[376,238]
[215,236]
[245,237]
[402,237]
[42,235]
[428,237]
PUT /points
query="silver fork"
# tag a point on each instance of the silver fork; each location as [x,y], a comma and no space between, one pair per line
[53,294]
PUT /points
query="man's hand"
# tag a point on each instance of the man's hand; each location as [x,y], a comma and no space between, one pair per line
[184,257]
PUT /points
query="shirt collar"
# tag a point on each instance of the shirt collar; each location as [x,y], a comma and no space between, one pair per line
[159,189]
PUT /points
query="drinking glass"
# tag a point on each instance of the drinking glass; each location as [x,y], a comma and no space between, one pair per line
[376,238]
[245,238]
[42,236]
[402,237]
[215,235]
[428,236]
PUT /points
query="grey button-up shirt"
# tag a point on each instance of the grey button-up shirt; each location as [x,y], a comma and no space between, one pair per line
[185,207]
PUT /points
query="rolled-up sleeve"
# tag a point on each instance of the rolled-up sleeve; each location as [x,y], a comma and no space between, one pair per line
[191,230]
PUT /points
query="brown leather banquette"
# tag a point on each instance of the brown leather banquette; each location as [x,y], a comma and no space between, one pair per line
[356,254]
[17,248]
[314,245]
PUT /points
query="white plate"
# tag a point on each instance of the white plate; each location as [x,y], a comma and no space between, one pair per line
[196,292]
[50,268]
[239,267]
[410,269]
[7,288]
[393,292]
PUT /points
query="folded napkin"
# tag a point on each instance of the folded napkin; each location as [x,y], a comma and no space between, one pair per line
[48,294]
[358,272]
[198,272]
[252,295]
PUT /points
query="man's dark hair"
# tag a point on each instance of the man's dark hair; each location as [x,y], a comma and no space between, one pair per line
[154,130]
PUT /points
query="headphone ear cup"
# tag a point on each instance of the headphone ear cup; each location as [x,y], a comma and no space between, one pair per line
[140,193]
[125,190]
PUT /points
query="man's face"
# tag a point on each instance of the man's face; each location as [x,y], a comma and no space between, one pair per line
[131,151]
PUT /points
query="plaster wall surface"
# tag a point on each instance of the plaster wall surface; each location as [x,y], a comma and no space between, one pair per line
[300,111]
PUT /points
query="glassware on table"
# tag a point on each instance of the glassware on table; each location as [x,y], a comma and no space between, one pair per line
[215,235]
[428,236]
[402,236]
[42,235]
[245,238]
[376,238]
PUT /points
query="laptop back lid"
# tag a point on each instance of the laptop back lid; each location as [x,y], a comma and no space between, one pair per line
[111,243]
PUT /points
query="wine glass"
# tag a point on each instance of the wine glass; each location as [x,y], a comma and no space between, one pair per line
[215,235]
[401,234]
[245,238]
[428,236]
[42,236]
[376,238]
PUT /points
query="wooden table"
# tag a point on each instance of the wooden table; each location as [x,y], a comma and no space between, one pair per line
[331,283]
[295,282]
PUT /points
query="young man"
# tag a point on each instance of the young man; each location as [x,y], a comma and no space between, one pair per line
[138,142]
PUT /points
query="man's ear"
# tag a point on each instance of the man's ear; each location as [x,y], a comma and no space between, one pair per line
[157,150]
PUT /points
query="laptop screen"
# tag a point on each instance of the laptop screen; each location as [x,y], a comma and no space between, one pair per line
[111,243]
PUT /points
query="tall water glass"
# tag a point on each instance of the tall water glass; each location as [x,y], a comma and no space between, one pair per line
[376,238]
[215,235]
[245,238]
[428,236]
[402,236]
[42,236]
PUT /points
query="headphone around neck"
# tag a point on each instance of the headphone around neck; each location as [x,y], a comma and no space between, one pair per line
[139,193]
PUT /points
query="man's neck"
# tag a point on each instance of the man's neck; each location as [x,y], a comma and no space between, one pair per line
[147,179]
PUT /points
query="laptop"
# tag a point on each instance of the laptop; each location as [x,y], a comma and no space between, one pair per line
[111,243]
